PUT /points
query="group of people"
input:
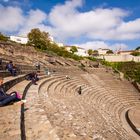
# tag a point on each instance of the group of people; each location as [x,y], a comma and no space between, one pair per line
[12,97]
[5,98]
[13,69]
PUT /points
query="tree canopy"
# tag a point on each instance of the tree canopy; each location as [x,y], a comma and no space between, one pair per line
[109,52]
[73,49]
[138,48]
[90,51]
[39,39]
[135,53]
[3,37]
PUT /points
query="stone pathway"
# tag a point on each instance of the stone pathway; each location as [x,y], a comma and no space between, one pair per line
[37,125]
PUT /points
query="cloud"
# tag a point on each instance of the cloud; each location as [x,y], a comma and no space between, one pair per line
[11,18]
[69,22]
[66,21]
[99,23]
[34,19]
[94,45]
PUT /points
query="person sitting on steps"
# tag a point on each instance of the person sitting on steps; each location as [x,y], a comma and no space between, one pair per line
[67,77]
[10,67]
[33,77]
[6,99]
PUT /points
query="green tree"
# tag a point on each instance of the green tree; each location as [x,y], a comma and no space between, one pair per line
[90,52]
[95,52]
[138,48]
[109,52]
[73,49]
[39,39]
[3,38]
[135,53]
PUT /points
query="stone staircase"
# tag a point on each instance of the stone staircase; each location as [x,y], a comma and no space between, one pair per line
[54,109]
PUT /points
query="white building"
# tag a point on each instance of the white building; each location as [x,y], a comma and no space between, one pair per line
[51,39]
[81,52]
[68,48]
[125,52]
[102,51]
[19,39]
[60,44]
[119,58]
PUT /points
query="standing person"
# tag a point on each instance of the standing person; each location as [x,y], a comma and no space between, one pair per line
[80,90]
[37,65]
[6,99]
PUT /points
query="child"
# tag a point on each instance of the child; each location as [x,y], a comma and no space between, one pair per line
[6,99]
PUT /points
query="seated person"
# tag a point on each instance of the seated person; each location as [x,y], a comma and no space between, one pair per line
[33,77]
[67,77]
[6,99]
[0,61]
[11,68]
[1,67]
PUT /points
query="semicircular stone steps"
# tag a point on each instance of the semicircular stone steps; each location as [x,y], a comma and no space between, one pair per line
[76,107]
[76,103]
[112,123]
[92,94]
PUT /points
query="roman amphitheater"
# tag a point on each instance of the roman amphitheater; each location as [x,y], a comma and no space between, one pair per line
[108,107]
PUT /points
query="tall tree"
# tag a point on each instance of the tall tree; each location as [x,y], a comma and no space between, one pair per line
[138,48]
[109,52]
[90,52]
[95,52]
[38,39]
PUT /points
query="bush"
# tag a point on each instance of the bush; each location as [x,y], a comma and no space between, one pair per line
[3,38]
[135,53]
[130,69]
[91,58]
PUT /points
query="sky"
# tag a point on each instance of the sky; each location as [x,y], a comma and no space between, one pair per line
[90,24]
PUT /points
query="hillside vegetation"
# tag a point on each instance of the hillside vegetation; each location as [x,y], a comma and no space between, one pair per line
[40,40]
[130,69]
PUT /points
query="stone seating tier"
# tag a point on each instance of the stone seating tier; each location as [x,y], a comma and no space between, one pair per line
[55,110]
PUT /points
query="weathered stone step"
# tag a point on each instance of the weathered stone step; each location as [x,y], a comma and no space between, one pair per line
[10,116]
[37,124]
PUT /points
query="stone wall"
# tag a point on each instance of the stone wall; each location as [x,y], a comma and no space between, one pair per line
[120,58]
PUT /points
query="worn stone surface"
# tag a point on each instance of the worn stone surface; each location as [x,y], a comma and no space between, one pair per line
[10,116]
[54,109]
